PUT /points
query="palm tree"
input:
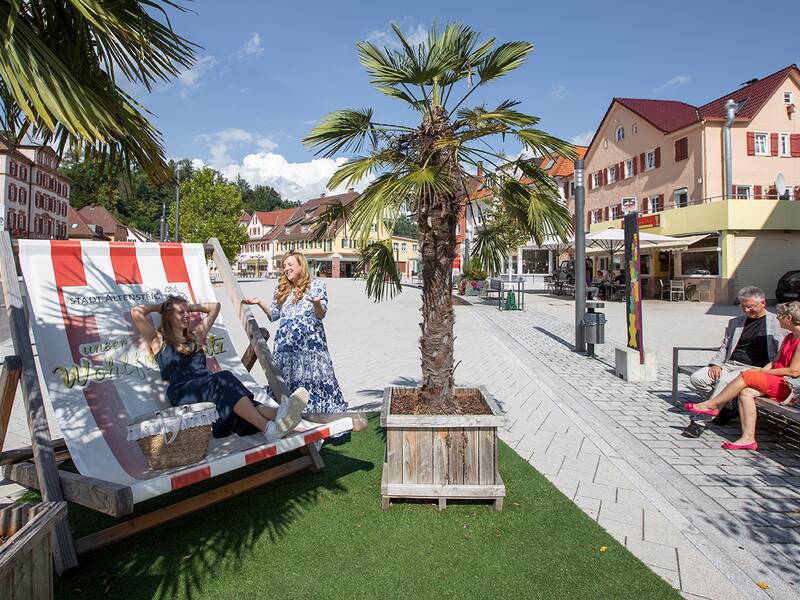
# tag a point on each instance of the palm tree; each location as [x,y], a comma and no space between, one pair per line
[425,167]
[58,73]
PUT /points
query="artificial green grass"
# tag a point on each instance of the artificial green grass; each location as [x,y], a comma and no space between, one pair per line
[324,536]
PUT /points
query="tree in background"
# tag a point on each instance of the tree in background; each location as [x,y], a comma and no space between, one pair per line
[405,227]
[58,71]
[210,208]
[260,197]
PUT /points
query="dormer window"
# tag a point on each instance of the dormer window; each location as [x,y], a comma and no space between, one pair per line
[620,134]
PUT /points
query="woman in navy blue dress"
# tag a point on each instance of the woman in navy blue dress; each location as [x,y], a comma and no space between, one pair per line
[177,347]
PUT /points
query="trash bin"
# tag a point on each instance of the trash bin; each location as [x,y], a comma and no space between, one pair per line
[594,324]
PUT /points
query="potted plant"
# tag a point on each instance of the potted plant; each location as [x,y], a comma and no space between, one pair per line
[473,278]
[441,441]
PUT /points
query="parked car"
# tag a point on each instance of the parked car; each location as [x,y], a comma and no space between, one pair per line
[788,287]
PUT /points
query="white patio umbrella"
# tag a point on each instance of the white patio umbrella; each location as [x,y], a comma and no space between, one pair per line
[558,246]
[612,240]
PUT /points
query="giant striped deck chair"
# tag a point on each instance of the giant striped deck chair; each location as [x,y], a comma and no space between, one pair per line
[92,366]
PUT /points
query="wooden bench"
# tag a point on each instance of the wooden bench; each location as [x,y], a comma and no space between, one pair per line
[787,412]
[495,287]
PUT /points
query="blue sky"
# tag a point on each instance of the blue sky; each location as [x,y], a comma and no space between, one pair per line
[268,70]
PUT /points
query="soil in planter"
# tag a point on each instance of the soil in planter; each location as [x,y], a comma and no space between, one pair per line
[467,402]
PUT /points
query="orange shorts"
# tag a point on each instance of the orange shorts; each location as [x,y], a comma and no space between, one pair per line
[769,385]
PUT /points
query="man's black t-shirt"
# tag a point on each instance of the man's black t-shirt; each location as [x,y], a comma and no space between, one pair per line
[752,346]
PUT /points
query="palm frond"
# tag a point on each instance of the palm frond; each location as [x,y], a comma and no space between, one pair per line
[383,279]
[504,59]
[330,221]
[539,211]
[343,130]
[356,169]
[540,142]
[490,248]
[503,114]
[58,65]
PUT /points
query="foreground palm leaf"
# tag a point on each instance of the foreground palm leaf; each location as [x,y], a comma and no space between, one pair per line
[424,169]
[58,73]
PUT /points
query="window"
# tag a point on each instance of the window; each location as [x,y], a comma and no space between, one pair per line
[616,212]
[404,247]
[571,189]
[629,168]
[634,129]
[596,179]
[597,215]
[414,247]
[304,228]
[396,246]
[681,198]
[373,228]
[645,264]
[620,134]
[701,258]
[605,143]
[345,243]
[612,174]
[788,194]
[23,196]
[788,98]
[535,261]
[650,160]
[653,205]
[783,146]
[762,144]
[681,149]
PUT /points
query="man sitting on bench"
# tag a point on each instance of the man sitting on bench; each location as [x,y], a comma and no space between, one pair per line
[751,340]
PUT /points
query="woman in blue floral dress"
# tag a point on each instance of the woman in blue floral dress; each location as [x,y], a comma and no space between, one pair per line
[301,348]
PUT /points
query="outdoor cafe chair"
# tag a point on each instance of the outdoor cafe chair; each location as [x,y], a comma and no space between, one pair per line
[677,289]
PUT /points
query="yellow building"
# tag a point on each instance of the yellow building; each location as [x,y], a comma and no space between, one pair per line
[667,158]
[333,256]
[407,256]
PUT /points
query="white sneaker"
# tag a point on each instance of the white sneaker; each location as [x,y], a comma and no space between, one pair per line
[290,413]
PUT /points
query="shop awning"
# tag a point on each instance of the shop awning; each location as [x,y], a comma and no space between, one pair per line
[671,245]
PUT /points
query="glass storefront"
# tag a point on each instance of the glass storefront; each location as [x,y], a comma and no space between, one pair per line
[535,261]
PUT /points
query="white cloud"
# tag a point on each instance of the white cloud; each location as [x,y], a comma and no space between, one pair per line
[583,139]
[197,164]
[677,80]
[220,144]
[414,34]
[191,79]
[253,46]
[295,181]
[558,93]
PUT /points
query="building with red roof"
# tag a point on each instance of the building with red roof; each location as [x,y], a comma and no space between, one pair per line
[668,159]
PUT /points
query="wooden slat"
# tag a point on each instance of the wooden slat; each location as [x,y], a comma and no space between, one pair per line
[394,455]
[103,496]
[42,569]
[436,421]
[9,379]
[249,357]
[136,525]
[424,456]
[402,490]
[46,468]
[33,531]
[409,456]
[486,463]
[472,457]
[257,341]
[9,457]
[441,457]
[455,450]
[317,464]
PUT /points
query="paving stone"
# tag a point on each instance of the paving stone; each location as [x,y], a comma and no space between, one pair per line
[622,512]
[591,506]
[777,492]
[715,491]
[671,577]
[608,474]
[781,535]
[620,530]
[546,464]
[652,554]
[598,491]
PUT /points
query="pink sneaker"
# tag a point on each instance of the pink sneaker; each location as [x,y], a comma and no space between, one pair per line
[690,407]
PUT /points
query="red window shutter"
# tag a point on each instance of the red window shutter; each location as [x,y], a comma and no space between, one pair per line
[621,170]
[605,213]
[643,206]
[619,209]
[773,144]
[658,157]
[660,200]
[635,165]
[751,143]
[772,193]
[756,192]
[588,219]
[794,144]
[605,176]
[589,183]
[797,193]
[733,190]
[566,190]
[642,163]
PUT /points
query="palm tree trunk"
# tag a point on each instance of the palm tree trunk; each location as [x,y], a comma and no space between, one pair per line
[437,232]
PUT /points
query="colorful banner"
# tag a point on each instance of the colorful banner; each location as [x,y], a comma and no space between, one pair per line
[99,375]
[633,284]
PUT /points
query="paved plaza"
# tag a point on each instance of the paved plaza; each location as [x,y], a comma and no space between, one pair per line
[712,523]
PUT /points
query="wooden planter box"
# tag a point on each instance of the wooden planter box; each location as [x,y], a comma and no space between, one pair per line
[441,456]
[26,558]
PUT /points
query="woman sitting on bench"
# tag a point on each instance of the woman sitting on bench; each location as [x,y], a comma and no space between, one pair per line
[767,381]
[177,346]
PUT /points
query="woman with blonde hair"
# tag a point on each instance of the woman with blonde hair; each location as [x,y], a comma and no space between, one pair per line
[767,381]
[301,348]
[177,346]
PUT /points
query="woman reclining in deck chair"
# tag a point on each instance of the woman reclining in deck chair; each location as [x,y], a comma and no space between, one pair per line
[178,350]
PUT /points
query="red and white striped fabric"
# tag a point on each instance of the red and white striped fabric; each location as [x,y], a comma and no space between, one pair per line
[97,373]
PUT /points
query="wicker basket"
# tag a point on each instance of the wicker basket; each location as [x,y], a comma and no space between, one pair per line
[174,437]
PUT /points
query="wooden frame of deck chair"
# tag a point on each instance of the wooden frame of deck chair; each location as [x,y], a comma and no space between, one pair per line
[92,436]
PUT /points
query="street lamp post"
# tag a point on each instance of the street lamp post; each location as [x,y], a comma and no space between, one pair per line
[178,203]
[580,258]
